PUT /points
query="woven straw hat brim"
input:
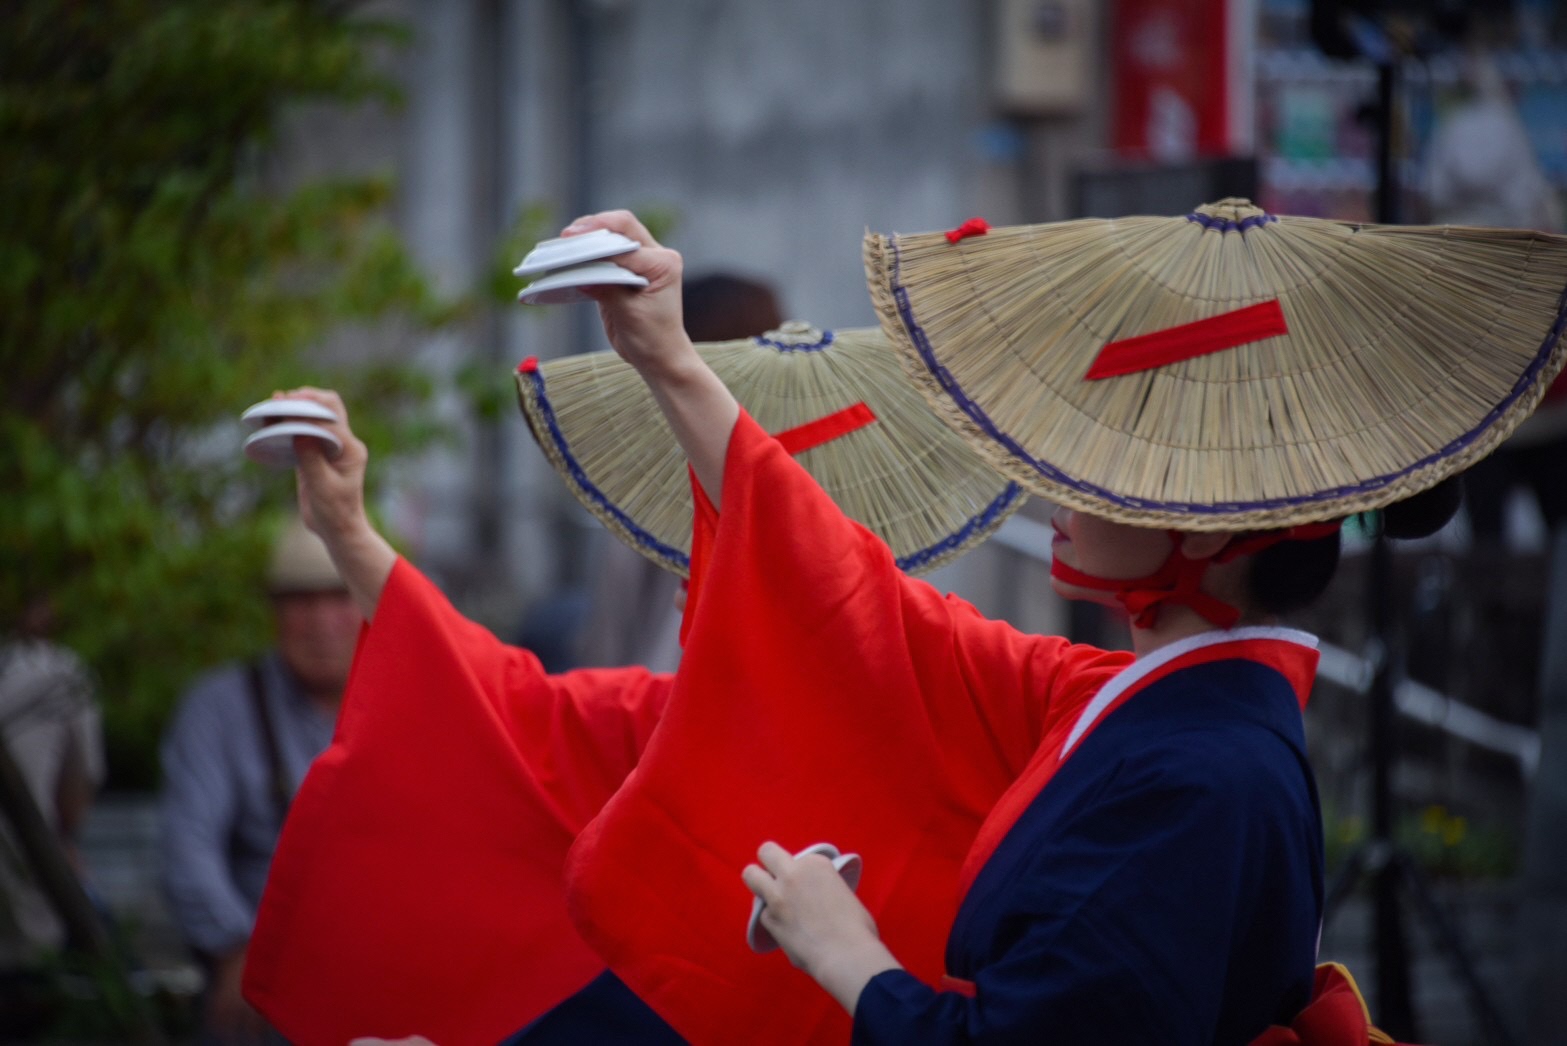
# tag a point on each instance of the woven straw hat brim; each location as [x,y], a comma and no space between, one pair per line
[1410,353]
[904,475]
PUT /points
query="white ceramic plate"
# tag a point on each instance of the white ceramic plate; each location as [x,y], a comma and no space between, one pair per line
[565,287]
[574,250]
[273,446]
[269,411]
[849,866]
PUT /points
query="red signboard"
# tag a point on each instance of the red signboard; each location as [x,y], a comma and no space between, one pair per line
[1182,75]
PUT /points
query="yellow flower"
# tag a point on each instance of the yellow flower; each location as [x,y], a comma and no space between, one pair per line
[1453,831]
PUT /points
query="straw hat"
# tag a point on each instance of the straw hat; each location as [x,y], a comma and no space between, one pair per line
[838,400]
[301,563]
[1229,369]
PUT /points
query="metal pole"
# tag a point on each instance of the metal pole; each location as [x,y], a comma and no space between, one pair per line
[1388,208]
[1395,1011]
[1543,913]
[1394,1006]
[486,142]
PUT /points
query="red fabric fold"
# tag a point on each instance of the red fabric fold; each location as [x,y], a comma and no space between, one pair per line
[823,696]
[1336,1016]
[418,885]
[967,989]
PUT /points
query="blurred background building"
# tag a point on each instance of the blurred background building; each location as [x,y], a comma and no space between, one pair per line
[765,137]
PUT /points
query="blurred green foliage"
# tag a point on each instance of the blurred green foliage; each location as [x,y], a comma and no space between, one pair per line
[153,283]
[1445,845]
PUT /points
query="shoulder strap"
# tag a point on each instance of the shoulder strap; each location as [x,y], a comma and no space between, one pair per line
[282,794]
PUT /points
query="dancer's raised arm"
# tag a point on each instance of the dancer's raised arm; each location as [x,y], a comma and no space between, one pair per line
[645,327]
[332,503]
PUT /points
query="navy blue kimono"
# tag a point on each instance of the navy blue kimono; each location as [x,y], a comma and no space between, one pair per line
[1165,885]
[605,1011]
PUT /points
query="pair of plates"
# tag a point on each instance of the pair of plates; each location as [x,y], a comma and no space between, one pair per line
[277,422]
[566,265]
[849,866]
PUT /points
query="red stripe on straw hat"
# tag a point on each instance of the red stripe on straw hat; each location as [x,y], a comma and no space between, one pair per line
[802,438]
[1198,338]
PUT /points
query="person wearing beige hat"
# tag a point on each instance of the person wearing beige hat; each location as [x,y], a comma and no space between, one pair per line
[238,747]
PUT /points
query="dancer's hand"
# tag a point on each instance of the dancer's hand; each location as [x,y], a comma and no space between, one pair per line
[332,502]
[644,324]
[818,922]
[331,490]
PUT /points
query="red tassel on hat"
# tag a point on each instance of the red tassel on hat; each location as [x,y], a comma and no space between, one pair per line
[972,227]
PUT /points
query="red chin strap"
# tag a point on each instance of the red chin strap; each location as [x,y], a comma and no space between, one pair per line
[1179,580]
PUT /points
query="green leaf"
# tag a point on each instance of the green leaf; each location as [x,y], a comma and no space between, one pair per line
[152,284]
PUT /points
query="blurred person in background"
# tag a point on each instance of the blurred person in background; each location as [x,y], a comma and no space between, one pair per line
[239,745]
[1484,170]
[1482,167]
[51,728]
[631,621]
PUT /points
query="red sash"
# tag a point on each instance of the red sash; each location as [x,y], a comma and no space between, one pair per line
[1336,1016]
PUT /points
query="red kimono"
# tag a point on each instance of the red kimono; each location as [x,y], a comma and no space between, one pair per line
[800,716]
[824,696]
[417,887]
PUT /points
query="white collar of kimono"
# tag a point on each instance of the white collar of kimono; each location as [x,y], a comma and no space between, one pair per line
[1133,673]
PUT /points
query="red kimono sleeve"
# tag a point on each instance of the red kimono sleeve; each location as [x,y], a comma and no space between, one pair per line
[823,696]
[418,884]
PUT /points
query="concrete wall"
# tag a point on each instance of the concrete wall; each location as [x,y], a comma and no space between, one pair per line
[779,132]
[770,136]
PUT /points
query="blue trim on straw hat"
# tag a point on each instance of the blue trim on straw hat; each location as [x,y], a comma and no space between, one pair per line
[1055,475]
[598,497]
[827,338]
[1208,221]
[998,508]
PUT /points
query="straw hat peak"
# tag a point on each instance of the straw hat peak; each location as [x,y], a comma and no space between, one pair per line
[795,332]
[1231,208]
